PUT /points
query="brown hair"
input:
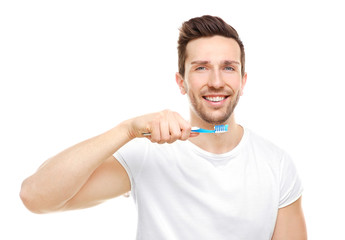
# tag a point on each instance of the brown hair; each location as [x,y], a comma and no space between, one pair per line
[205,26]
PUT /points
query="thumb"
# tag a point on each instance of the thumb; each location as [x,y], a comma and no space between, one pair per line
[194,134]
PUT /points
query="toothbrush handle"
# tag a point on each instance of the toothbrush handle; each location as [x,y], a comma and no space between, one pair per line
[198,130]
[201,130]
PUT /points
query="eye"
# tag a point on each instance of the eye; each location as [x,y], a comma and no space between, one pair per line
[200,68]
[229,68]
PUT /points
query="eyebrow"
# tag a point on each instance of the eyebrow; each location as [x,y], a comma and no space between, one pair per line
[225,62]
[199,62]
[229,62]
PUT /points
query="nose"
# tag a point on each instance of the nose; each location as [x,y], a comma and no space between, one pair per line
[216,80]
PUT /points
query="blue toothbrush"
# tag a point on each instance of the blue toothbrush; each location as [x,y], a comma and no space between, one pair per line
[217,129]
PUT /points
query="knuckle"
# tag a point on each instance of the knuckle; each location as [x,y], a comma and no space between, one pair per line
[176,114]
[188,128]
[166,112]
[176,135]
[186,132]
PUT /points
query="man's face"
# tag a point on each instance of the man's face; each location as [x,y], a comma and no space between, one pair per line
[213,80]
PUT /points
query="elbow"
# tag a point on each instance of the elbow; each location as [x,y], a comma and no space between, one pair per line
[28,202]
[30,199]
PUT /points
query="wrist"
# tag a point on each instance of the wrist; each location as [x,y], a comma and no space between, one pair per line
[127,129]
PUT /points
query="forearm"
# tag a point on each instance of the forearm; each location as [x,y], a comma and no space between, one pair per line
[63,175]
[66,181]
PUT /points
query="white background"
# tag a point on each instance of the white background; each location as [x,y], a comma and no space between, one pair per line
[72,69]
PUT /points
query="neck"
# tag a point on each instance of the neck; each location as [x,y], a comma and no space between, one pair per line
[218,142]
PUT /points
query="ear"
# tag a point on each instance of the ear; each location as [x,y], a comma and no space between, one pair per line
[180,83]
[243,83]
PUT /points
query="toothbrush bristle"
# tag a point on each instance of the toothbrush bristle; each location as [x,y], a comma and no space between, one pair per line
[220,128]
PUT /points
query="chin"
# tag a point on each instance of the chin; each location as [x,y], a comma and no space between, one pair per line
[214,116]
[215,120]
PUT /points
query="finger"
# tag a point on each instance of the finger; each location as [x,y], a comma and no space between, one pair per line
[155,131]
[175,129]
[185,128]
[194,134]
[164,131]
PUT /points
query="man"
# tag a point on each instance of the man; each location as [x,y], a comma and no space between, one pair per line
[232,185]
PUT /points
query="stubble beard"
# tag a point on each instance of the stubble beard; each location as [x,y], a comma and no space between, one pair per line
[214,118]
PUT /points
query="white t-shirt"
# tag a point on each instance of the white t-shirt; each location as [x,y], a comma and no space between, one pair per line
[183,192]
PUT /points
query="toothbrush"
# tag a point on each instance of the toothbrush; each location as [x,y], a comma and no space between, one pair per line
[217,129]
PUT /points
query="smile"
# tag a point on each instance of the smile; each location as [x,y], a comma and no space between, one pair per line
[215,98]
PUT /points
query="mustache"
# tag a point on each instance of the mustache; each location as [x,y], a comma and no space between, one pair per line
[215,91]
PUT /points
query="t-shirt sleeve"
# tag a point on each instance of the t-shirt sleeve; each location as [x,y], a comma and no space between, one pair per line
[131,156]
[290,183]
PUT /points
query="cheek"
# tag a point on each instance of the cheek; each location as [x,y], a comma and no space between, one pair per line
[197,81]
[192,85]
[235,84]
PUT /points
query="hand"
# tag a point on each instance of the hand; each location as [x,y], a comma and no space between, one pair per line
[165,127]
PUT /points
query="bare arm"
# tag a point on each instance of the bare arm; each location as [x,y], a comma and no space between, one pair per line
[61,177]
[290,223]
[87,174]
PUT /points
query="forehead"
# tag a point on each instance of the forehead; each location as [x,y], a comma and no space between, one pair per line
[216,48]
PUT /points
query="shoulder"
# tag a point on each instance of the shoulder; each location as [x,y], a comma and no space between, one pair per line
[260,142]
[265,149]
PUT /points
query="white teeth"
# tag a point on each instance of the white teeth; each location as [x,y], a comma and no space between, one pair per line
[215,99]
